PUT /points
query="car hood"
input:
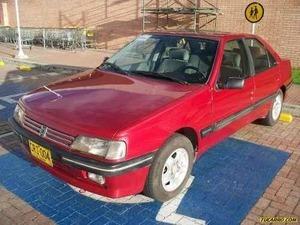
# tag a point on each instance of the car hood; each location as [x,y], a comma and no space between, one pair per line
[99,103]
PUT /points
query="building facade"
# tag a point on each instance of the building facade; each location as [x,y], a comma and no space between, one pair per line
[115,22]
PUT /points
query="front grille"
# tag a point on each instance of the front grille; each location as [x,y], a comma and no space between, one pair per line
[47,132]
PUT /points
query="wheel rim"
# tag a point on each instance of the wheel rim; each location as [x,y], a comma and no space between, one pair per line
[175,169]
[276,109]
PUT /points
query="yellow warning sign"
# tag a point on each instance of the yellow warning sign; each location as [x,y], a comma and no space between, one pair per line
[254,12]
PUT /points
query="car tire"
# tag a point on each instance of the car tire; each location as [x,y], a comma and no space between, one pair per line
[170,168]
[275,110]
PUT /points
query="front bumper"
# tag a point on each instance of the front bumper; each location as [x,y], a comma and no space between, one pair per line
[123,178]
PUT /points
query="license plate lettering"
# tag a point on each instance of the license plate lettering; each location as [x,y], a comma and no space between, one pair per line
[40,153]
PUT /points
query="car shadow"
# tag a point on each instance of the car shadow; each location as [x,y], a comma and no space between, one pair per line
[14,83]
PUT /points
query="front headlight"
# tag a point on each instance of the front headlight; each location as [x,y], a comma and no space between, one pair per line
[19,114]
[112,150]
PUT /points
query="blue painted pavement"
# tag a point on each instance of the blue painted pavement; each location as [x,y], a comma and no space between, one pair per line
[14,83]
[6,90]
[229,179]
[8,110]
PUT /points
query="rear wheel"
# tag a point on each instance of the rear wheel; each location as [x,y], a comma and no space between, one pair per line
[170,169]
[275,110]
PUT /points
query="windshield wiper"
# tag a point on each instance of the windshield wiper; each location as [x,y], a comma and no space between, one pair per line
[114,67]
[159,75]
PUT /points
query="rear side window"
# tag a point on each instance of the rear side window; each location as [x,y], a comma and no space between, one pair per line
[271,59]
[262,58]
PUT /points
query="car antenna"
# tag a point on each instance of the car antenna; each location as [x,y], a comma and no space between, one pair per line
[58,95]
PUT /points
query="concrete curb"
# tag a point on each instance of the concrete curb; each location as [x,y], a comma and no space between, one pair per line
[288,108]
[292,109]
[46,67]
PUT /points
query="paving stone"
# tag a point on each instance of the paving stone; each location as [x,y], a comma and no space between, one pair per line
[4,220]
[284,183]
[296,194]
[4,205]
[280,206]
[270,211]
[248,222]
[283,213]
[293,175]
[11,212]
[30,217]
[271,191]
[15,211]
[298,182]
[291,201]
[253,217]
[283,192]
[297,210]
[257,211]
[263,203]
[39,193]
[274,197]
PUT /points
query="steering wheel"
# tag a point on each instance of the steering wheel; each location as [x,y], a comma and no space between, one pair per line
[197,71]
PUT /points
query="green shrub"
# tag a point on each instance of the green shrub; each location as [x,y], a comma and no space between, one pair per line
[296,75]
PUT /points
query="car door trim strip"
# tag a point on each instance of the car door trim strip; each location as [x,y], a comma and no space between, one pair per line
[223,123]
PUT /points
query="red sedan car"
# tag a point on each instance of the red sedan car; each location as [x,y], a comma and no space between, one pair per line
[138,121]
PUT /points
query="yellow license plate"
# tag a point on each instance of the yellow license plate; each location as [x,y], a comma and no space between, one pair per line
[41,153]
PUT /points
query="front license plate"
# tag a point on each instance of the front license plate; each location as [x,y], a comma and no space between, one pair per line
[41,153]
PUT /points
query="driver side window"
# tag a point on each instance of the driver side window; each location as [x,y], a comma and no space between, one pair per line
[234,63]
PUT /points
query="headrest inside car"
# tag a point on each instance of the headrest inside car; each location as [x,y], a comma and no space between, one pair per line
[232,59]
[179,54]
[255,51]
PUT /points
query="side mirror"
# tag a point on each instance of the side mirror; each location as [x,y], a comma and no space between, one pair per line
[234,83]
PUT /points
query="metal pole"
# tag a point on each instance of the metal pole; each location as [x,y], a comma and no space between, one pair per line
[253,28]
[44,37]
[20,53]
[143,3]
[216,15]
[167,14]
[253,32]
[195,16]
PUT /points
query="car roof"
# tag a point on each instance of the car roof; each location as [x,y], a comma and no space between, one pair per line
[215,35]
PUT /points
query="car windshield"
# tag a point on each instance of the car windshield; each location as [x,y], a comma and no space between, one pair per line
[179,59]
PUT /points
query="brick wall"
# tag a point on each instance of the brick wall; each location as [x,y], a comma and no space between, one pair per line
[117,21]
[280,25]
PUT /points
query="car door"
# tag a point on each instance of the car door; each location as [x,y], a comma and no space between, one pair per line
[266,78]
[229,104]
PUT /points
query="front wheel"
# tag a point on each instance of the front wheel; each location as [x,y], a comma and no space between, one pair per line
[275,110]
[170,169]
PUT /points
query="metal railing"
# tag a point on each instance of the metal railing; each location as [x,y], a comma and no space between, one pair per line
[200,12]
[64,38]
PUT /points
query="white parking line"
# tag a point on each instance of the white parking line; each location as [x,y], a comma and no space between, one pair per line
[9,98]
[166,214]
